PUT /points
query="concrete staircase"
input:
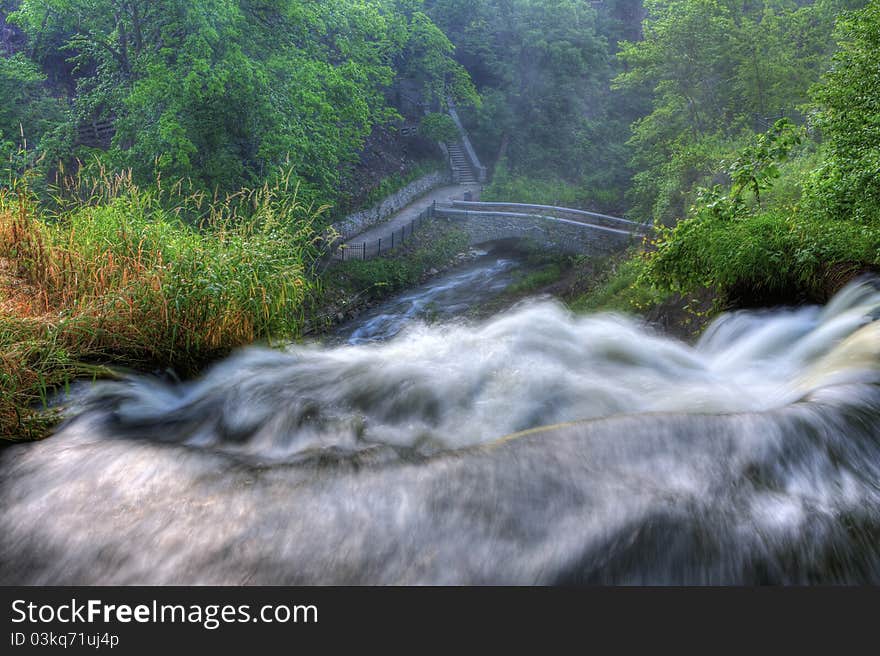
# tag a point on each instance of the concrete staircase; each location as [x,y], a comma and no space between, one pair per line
[462,171]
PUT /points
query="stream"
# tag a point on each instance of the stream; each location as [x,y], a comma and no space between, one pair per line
[443,298]
[421,446]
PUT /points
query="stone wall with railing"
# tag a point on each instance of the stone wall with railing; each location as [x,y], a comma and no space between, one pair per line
[563,235]
[358,222]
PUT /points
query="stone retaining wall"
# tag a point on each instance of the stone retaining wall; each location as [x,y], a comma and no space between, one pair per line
[357,222]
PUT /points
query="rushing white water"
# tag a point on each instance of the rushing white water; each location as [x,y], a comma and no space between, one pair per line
[451,295]
[450,385]
[752,456]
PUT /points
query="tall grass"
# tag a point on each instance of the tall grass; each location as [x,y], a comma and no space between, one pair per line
[111,273]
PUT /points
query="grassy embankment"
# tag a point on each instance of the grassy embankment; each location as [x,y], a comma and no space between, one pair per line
[736,249]
[118,277]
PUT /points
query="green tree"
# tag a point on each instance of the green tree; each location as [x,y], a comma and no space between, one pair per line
[27,112]
[231,92]
[543,69]
[848,184]
[718,71]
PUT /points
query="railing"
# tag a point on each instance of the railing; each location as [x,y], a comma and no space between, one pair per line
[567,213]
[452,213]
[96,133]
[367,250]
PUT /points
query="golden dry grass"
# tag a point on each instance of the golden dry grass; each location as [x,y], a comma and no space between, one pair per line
[119,278]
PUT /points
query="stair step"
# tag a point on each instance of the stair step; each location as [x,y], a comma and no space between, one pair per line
[460,163]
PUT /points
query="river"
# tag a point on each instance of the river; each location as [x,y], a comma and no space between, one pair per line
[421,446]
[444,298]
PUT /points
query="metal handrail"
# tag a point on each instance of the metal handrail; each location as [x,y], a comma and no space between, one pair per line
[367,250]
[452,212]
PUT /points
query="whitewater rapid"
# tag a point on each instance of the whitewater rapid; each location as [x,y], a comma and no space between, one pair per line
[456,384]
[535,447]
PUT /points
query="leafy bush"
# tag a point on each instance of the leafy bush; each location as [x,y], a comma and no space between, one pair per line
[665,185]
[439,127]
[772,253]
[752,172]
[847,185]
[733,244]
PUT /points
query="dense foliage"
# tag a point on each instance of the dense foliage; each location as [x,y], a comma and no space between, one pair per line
[755,246]
[226,92]
[717,72]
[25,103]
[544,70]
[848,184]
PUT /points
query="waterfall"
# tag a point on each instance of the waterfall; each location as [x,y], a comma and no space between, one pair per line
[535,447]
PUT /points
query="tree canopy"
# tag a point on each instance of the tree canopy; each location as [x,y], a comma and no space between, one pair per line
[228,92]
[717,72]
[544,69]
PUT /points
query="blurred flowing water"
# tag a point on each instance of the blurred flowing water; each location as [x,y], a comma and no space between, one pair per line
[446,297]
[629,457]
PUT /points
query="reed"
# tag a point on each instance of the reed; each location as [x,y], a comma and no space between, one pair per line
[106,272]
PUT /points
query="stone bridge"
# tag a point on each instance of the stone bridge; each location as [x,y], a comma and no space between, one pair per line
[559,228]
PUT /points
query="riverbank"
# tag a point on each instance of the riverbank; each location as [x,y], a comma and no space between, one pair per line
[123,285]
[348,289]
[119,280]
[604,284]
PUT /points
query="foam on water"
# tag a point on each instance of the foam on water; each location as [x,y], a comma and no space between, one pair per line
[451,385]
[753,456]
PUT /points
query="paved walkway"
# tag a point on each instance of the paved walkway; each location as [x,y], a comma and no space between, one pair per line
[403,217]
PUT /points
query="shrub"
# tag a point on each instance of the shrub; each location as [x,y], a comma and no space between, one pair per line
[439,127]
[773,253]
